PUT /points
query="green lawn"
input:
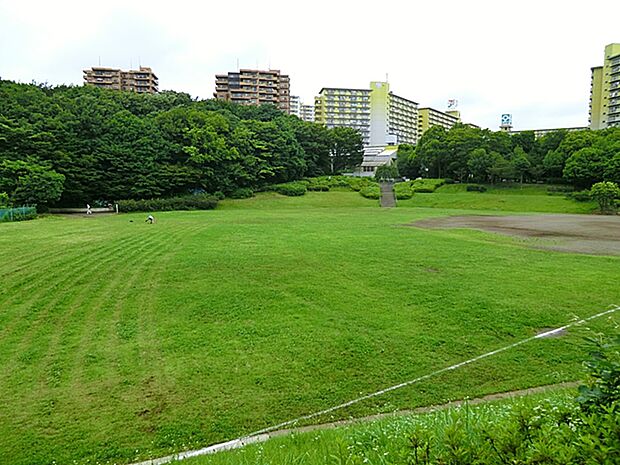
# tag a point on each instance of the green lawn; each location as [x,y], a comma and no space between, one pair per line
[121,340]
[512,198]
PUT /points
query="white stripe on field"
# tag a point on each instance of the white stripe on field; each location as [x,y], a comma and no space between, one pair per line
[262,435]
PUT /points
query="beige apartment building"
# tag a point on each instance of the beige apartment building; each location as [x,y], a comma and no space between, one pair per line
[142,80]
[254,87]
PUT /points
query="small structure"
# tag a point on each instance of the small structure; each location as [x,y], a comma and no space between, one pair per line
[374,157]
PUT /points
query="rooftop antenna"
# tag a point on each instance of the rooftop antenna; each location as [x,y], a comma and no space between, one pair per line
[99,60]
[139,61]
[237,64]
[130,63]
[386,77]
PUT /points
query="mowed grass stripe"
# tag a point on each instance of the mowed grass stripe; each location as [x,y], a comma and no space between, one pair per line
[94,265]
[71,258]
[39,307]
[57,371]
[33,337]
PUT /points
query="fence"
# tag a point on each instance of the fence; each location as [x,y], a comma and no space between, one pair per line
[17,214]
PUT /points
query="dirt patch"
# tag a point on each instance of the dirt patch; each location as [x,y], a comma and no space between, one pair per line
[588,234]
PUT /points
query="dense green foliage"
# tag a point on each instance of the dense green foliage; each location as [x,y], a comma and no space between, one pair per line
[403,190]
[606,194]
[188,202]
[77,145]
[123,341]
[580,158]
[292,189]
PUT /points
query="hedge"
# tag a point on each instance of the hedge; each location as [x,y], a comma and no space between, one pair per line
[292,189]
[403,190]
[476,188]
[190,202]
[371,191]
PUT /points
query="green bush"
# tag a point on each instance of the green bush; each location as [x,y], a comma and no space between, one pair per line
[317,187]
[476,188]
[605,194]
[371,191]
[403,190]
[427,185]
[292,189]
[242,193]
[580,196]
[190,202]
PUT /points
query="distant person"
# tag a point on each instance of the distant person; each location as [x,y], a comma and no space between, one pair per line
[88,210]
[150,219]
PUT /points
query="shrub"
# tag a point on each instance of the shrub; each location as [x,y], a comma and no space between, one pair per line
[602,387]
[242,193]
[403,190]
[321,184]
[476,188]
[605,193]
[580,196]
[292,189]
[371,191]
[190,202]
[426,185]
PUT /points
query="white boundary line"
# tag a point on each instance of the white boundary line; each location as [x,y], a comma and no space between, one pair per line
[263,434]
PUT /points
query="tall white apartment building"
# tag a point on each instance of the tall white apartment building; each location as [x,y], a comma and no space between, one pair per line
[381,117]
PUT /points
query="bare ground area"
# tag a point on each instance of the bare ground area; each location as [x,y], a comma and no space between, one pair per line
[588,234]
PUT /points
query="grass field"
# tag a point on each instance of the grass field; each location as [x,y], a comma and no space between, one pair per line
[121,341]
[516,198]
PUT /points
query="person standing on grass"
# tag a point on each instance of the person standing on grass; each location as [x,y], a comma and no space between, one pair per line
[88,210]
[150,219]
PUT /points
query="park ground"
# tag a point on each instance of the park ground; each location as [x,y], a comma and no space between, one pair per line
[121,341]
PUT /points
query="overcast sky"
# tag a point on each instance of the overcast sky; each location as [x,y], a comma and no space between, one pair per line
[528,58]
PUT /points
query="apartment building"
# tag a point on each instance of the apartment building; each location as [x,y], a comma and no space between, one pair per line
[295,106]
[429,117]
[381,117]
[254,87]
[307,113]
[538,133]
[142,80]
[349,108]
[605,90]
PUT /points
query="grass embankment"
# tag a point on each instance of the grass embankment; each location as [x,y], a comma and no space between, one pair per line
[513,198]
[121,340]
[534,429]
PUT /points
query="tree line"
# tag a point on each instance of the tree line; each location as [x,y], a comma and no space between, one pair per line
[70,145]
[579,158]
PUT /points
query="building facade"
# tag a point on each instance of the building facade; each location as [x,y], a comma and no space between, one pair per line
[254,87]
[344,108]
[295,106]
[307,113]
[605,91]
[429,117]
[538,133]
[381,117]
[142,80]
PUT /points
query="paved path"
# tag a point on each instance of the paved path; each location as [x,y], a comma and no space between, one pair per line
[388,199]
